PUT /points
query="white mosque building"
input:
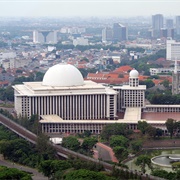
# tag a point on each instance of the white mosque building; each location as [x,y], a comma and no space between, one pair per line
[66,103]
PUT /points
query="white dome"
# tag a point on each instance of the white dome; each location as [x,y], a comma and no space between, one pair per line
[134,73]
[63,75]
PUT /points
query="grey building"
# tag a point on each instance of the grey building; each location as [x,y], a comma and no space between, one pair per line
[157,25]
[169,23]
[178,25]
[107,34]
[119,32]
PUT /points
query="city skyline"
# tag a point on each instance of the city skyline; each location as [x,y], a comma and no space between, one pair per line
[87,8]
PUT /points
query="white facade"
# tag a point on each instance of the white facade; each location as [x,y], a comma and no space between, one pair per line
[45,37]
[71,99]
[107,34]
[172,50]
[132,95]
[6,55]
[80,41]
[156,71]
[15,63]
[67,103]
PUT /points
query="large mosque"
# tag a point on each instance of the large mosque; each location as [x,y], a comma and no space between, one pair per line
[66,103]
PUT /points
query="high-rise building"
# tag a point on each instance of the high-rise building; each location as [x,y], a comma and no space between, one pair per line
[107,34]
[172,50]
[163,32]
[167,33]
[157,24]
[45,37]
[119,32]
[169,23]
[178,25]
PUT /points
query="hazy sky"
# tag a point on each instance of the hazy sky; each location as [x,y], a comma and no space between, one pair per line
[91,8]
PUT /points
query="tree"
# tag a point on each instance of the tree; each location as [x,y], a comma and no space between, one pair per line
[85,174]
[165,83]
[115,129]
[151,131]
[170,125]
[160,173]
[12,173]
[87,133]
[39,76]
[50,167]
[149,83]
[159,132]
[176,166]
[71,143]
[45,150]
[142,161]
[142,126]
[89,143]
[120,152]
[118,140]
[136,145]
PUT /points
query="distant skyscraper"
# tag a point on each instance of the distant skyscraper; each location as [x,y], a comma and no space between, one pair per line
[178,25]
[165,33]
[45,37]
[157,24]
[169,23]
[107,34]
[119,32]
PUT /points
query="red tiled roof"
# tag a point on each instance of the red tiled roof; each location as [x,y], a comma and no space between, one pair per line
[157,81]
[95,75]
[123,69]
[142,78]
[4,82]
[111,75]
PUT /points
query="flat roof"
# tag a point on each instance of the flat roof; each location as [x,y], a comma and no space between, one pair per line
[56,119]
[161,116]
[162,105]
[37,89]
[128,87]
[133,113]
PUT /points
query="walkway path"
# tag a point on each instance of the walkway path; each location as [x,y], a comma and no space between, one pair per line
[36,174]
[104,152]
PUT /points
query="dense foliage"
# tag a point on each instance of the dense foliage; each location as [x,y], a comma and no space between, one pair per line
[165,99]
[54,168]
[166,175]
[19,150]
[86,174]
[115,129]
[72,143]
[12,174]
